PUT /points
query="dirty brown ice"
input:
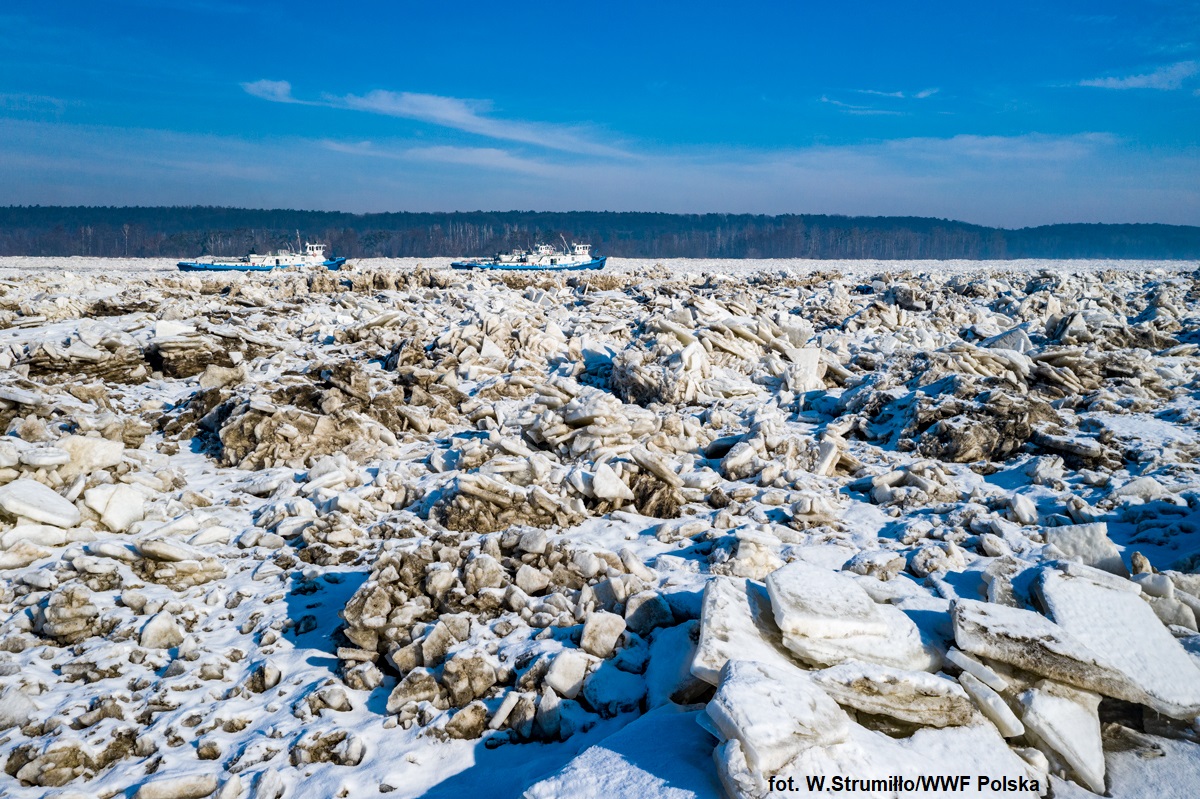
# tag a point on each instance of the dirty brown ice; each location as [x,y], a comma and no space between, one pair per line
[269,535]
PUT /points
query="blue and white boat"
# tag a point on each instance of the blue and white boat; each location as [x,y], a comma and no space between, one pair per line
[542,258]
[313,255]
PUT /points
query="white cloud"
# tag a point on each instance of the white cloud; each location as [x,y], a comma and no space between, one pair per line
[32,103]
[921,95]
[277,91]
[886,98]
[1029,148]
[484,157]
[468,116]
[1167,78]
[448,111]
[858,110]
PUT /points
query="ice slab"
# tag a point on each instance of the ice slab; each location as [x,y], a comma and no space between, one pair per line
[815,602]
[1088,544]
[916,697]
[736,622]
[775,712]
[826,617]
[1065,720]
[32,500]
[1123,630]
[900,647]
[1032,642]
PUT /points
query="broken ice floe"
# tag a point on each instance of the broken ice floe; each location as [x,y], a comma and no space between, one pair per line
[862,523]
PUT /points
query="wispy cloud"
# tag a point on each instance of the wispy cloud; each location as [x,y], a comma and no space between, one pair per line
[277,91]
[890,103]
[485,157]
[482,157]
[451,112]
[468,116]
[859,110]
[920,95]
[1029,148]
[1166,78]
[32,102]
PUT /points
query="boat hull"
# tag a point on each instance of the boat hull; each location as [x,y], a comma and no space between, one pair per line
[595,263]
[237,266]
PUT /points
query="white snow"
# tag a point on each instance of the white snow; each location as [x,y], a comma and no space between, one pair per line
[665,754]
[199,588]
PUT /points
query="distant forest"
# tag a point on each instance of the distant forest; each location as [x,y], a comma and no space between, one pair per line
[179,232]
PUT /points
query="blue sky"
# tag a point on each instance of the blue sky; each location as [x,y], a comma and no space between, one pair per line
[1015,113]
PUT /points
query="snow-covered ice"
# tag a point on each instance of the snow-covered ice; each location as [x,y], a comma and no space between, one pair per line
[665,531]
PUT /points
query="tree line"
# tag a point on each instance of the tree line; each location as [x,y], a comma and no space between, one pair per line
[192,231]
